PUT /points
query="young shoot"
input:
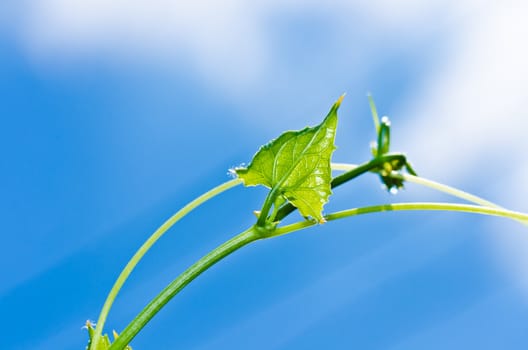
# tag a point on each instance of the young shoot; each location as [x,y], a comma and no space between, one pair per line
[297,168]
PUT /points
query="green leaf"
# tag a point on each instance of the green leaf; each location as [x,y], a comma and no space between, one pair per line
[296,166]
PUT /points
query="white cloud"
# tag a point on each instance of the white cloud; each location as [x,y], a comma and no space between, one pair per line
[469,123]
[227,43]
[219,42]
[474,106]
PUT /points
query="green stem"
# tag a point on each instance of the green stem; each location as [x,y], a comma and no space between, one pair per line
[179,283]
[450,190]
[145,248]
[466,208]
[268,202]
[354,171]
[447,189]
[428,183]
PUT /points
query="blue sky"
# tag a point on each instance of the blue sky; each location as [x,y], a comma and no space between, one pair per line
[115,115]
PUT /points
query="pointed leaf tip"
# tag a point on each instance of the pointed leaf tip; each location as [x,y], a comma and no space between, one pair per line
[337,104]
[340,99]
